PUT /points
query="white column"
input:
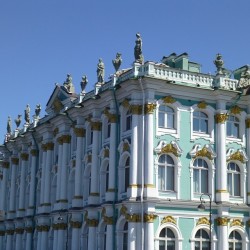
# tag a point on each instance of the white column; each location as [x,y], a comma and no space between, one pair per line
[248,153]
[109,237]
[132,236]
[43,173]
[24,157]
[149,233]
[32,192]
[50,148]
[149,151]
[39,240]
[222,232]
[221,189]
[14,165]
[3,186]
[28,243]
[64,170]
[59,170]
[96,127]
[92,239]
[18,240]
[80,135]
[9,241]
[55,239]
[61,239]
[75,242]
[44,237]
[134,151]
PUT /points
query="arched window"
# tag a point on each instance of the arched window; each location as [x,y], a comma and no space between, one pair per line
[233,125]
[166,173]
[235,241]
[233,179]
[200,176]
[127,170]
[128,121]
[200,122]
[166,117]
[166,239]
[125,236]
[201,240]
[104,180]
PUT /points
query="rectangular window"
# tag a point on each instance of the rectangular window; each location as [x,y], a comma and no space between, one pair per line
[170,179]
[204,184]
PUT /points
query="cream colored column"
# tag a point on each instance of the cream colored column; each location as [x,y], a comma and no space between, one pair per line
[94,194]
[44,154]
[221,164]
[222,223]
[59,169]
[149,151]
[149,231]
[48,167]
[14,166]
[34,154]
[64,170]
[80,135]
[24,158]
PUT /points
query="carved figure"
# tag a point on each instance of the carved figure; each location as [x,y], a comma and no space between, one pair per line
[18,120]
[27,114]
[117,61]
[38,110]
[100,71]
[84,83]
[245,78]
[219,64]
[68,84]
[138,49]
[9,125]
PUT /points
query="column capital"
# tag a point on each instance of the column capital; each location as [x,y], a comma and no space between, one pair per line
[15,160]
[5,164]
[221,118]
[50,146]
[34,152]
[96,126]
[150,217]
[80,132]
[247,123]
[149,108]
[76,224]
[24,156]
[19,230]
[136,109]
[222,221]
[66,138]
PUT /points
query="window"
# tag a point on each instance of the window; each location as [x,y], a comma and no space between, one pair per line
[235,241]
[233,126]
[200,122]
[126,181]
[202,240]
[165,173]
[200,176]
[166,239]
[128,121]
[233,179]
[125,237]
[165,117]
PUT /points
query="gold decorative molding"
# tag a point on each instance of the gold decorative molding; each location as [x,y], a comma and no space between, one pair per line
[80,132]
[247,121]
[221,118]
[19,230]
[108,220]
[204,153]
[66,138]
[75,224]
[62,201]
[168,219]
[221,191]
[96,126]
[123,210]
[112,118]
[2,233]
[44,147]
[135,185]
[235,110]
[6,164]
[24,156]
[34,152]
[125,103]
[15,161]
[92,222]
[149,185]
[203,221]
[136,109]
[10,231]
[55,131]
[106,153]
[60,226]
[222,221]
[237,156]
[169,148]
[149,217]
[202,105]
[237,222]
[50,146]
[60,140]
[133,217]
[149,108]
[42,228]
[29,229]
[126,147]
[94,194]
[78,197]
[168,99]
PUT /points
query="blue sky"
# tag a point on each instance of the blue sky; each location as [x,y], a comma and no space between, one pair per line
[43,40]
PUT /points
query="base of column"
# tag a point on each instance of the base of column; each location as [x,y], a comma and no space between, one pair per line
[110,196]
[77,202]
[222,196]
[149,191]
[93,199]
[132,191]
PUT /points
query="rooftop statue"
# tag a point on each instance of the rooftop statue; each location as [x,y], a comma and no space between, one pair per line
[38,110]
[27,114]
[138,49]
[9,125]
[18,120]
[117,61]
[245,78]
[83,83]
[100,71]
[219,64]
[68,84]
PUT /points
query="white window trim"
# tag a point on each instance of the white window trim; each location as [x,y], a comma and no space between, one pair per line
[162,131]
[209,111]
[243,234]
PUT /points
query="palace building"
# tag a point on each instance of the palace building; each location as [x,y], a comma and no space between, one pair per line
[126,165]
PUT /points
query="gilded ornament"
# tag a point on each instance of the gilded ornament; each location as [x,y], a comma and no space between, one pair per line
[248,223]
[168,219]
[92,222]
[44,147]
[66,138]
[149,185]
[78,197]
[237,222]
[10,231]
[60,140]
[168,99]
[237,156]
[96,126]
[19,230]
[123,210]
[169,148]
[75,224]
[94,194]
[133,217]
[108,220]
[112,118]
[235,110]
[247,123]
[55,131]
[149,108]
[125,147]
[150,217]
[125,103]
[80,132]
[204,153]
[136,109]
[221,118]
[34,152]
[50,146]
[106,153]
[57,105]
[6,164]
[203,221]
[15,161]
[221,191]
[202,105]
[2,233]
[222,221]
[28,229]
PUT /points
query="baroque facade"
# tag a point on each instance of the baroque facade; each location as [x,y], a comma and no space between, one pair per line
[126,165]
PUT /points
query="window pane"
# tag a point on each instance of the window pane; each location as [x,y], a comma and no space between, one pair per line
[238,246]
[161,120]
[161,178]
[163,233]
[161,245]
[170,245]
[204,181]
[170,178]
[196,180]
[204,234]
[196,124]
[204,126]
[170,233]
[229,183]
[170,121]
[205,245]
[237,235]
[236,185]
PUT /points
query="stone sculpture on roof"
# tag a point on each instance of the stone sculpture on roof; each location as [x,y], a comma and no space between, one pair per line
[245,78]
[68,84]
[18,120]
[117,61]
[83,83]
[27,114]
[219,64]
[9,125]
[100,71]
[38,110]
[138,49]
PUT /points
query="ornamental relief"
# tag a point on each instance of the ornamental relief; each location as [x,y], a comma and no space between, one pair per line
[205,151]
[202,105]
[203,221]
[222,221]
[221,118]
[235,110]
[239,155]
[247,123]
[168,219]
[168,99]
[167,148]
[149,108]
[237,222]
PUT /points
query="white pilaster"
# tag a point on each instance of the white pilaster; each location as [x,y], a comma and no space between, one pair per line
[44,154]
[223,234]
[92,239]
[149,235]
[59,170]
[248,153]
[109,237]
[3,186]
[9,241]
[132,236]
[14,165]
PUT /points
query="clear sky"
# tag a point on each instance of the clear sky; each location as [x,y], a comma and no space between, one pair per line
[43,40]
